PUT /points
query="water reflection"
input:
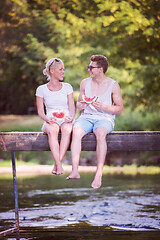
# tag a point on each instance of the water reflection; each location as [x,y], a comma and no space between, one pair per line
[123,202]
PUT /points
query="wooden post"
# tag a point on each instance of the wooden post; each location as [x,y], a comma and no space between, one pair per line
[16,228]
[15,190]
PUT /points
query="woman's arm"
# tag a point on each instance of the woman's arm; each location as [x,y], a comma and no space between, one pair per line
[41,113]
[71,106]
[40,108]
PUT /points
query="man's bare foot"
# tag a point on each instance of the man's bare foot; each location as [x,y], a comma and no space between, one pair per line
[97,181]
[73,175]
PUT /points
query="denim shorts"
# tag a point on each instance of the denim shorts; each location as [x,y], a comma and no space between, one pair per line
[90,124]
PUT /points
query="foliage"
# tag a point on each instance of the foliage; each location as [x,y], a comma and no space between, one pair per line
[127,32]
[137,121]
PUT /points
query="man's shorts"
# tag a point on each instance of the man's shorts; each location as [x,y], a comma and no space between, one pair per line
[90,124]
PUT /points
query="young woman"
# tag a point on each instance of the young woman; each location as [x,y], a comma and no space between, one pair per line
[57,96]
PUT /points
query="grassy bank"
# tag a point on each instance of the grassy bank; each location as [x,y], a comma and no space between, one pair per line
[127,121]
[20,123]
[126,169]
[8,163]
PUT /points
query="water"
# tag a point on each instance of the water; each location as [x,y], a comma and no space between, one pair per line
[51,207]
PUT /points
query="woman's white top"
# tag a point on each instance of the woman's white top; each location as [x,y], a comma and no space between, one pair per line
[55,101]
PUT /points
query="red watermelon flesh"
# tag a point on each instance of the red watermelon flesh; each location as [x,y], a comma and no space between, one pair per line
[89,100]
[59,115]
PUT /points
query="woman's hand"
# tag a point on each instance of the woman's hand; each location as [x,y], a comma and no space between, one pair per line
[51,120]
[68,119]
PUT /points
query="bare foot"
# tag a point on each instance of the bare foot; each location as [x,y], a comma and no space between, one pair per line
[73,175]
[54,171]
[97,181]
[58,169]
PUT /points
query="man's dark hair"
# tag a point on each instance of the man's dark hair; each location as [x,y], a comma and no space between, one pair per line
[101,60]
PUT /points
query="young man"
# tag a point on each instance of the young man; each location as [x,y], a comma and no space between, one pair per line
[98,116]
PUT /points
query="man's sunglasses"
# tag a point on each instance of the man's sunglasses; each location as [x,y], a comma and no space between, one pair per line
[90,67]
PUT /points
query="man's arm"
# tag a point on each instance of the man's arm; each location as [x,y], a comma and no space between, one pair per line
[81,105]
[117,99]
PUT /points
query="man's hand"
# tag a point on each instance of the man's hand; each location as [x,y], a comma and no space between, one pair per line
[97,105]
[82,105]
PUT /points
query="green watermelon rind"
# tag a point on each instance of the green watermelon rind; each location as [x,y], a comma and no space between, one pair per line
[86,99]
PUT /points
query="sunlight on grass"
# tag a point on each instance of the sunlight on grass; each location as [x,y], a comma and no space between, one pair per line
[20,123]
[131,170]
[126,169]
[8,163]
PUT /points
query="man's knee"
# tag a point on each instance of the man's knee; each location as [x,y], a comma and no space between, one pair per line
[101,133]
[78,132]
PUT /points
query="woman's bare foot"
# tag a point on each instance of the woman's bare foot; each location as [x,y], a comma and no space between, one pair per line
[58,169]
[97,181]
[73,175]
[54,171]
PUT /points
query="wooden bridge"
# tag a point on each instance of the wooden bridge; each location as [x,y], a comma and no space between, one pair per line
[38,141]
[116,141]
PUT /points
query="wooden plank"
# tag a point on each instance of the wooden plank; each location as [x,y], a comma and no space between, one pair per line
[137,141]
[126,141]
[116,141]
[9,231]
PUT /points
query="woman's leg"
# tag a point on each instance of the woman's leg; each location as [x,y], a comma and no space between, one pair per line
[52,131]
[66,129]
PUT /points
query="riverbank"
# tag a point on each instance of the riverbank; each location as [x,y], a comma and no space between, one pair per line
[47,169]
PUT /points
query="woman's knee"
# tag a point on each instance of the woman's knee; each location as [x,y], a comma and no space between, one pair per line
[52,129]
[66,128]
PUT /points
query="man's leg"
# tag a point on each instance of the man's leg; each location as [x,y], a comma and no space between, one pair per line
[77,135]
[101,150]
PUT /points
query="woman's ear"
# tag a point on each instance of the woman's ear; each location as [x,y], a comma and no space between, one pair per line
[51,71]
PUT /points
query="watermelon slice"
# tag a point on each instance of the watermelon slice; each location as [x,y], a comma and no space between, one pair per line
[89,100]
[59,115]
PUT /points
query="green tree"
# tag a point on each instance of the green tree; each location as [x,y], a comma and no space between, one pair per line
[127,32]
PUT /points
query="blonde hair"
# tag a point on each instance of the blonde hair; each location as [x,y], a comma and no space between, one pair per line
[51,62]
